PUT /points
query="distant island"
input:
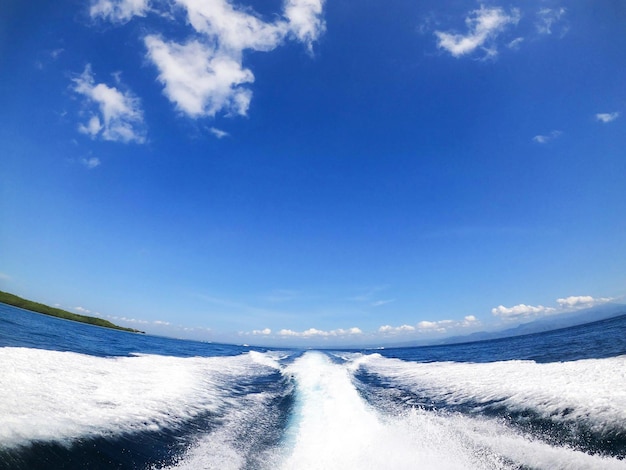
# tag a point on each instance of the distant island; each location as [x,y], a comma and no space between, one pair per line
[36,307]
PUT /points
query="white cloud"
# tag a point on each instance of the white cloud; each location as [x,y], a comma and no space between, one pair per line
[161,322]
[131,320]
[396,329]
[91,162]
[582,301]
[440,326]
[469,320]
[425,326]
[118,11]
[520,311]
[114,115]
[547,18]
[379,303]
[565,304]
[265,331]
[200,80]
[205,75]
[544,139]
[483,25]
[305,20]
[314,332]
[607,117]
[220,134]
[515,43]
[82,310]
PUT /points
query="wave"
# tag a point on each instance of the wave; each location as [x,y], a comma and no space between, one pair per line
[589,390]
[63,396]
[274,411]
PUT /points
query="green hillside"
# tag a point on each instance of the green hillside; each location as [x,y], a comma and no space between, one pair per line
[16,301]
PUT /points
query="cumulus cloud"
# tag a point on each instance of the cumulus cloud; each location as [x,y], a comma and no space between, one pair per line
[82,310]
[396,329]
[305,20]
[205,75]
[265,331]
[199,80]
[544,139]
[520,311]
[113,115]
[314,332]
[607,117]
[549,17]
[469,320]
[483,27]
[565,304]
[118,11]
[425,326]
[581,301]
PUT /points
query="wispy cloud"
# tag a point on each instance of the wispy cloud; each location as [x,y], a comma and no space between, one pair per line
[82,310]
[205,75]
[281,295]
[544,139]
[118,11]
[367,294]
[113,115]
[548,18]
[483,27]
[607,117]
[220,134]
[515,43]
[91,162]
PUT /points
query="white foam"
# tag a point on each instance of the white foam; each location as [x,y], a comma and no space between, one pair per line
[334,428]
[51,395]
[60,396]
[494,445]
[592,390]
[224,448]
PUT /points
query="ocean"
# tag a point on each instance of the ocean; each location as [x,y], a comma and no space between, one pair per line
[75,396]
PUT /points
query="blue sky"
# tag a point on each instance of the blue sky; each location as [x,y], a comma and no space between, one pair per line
[313,173]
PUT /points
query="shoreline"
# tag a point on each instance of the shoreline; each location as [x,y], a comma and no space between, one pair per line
[36,307]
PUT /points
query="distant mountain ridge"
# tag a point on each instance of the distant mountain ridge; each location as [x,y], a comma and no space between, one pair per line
[555,322]
[548,323]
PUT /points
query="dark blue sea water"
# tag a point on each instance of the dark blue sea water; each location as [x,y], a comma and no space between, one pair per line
[74,396]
